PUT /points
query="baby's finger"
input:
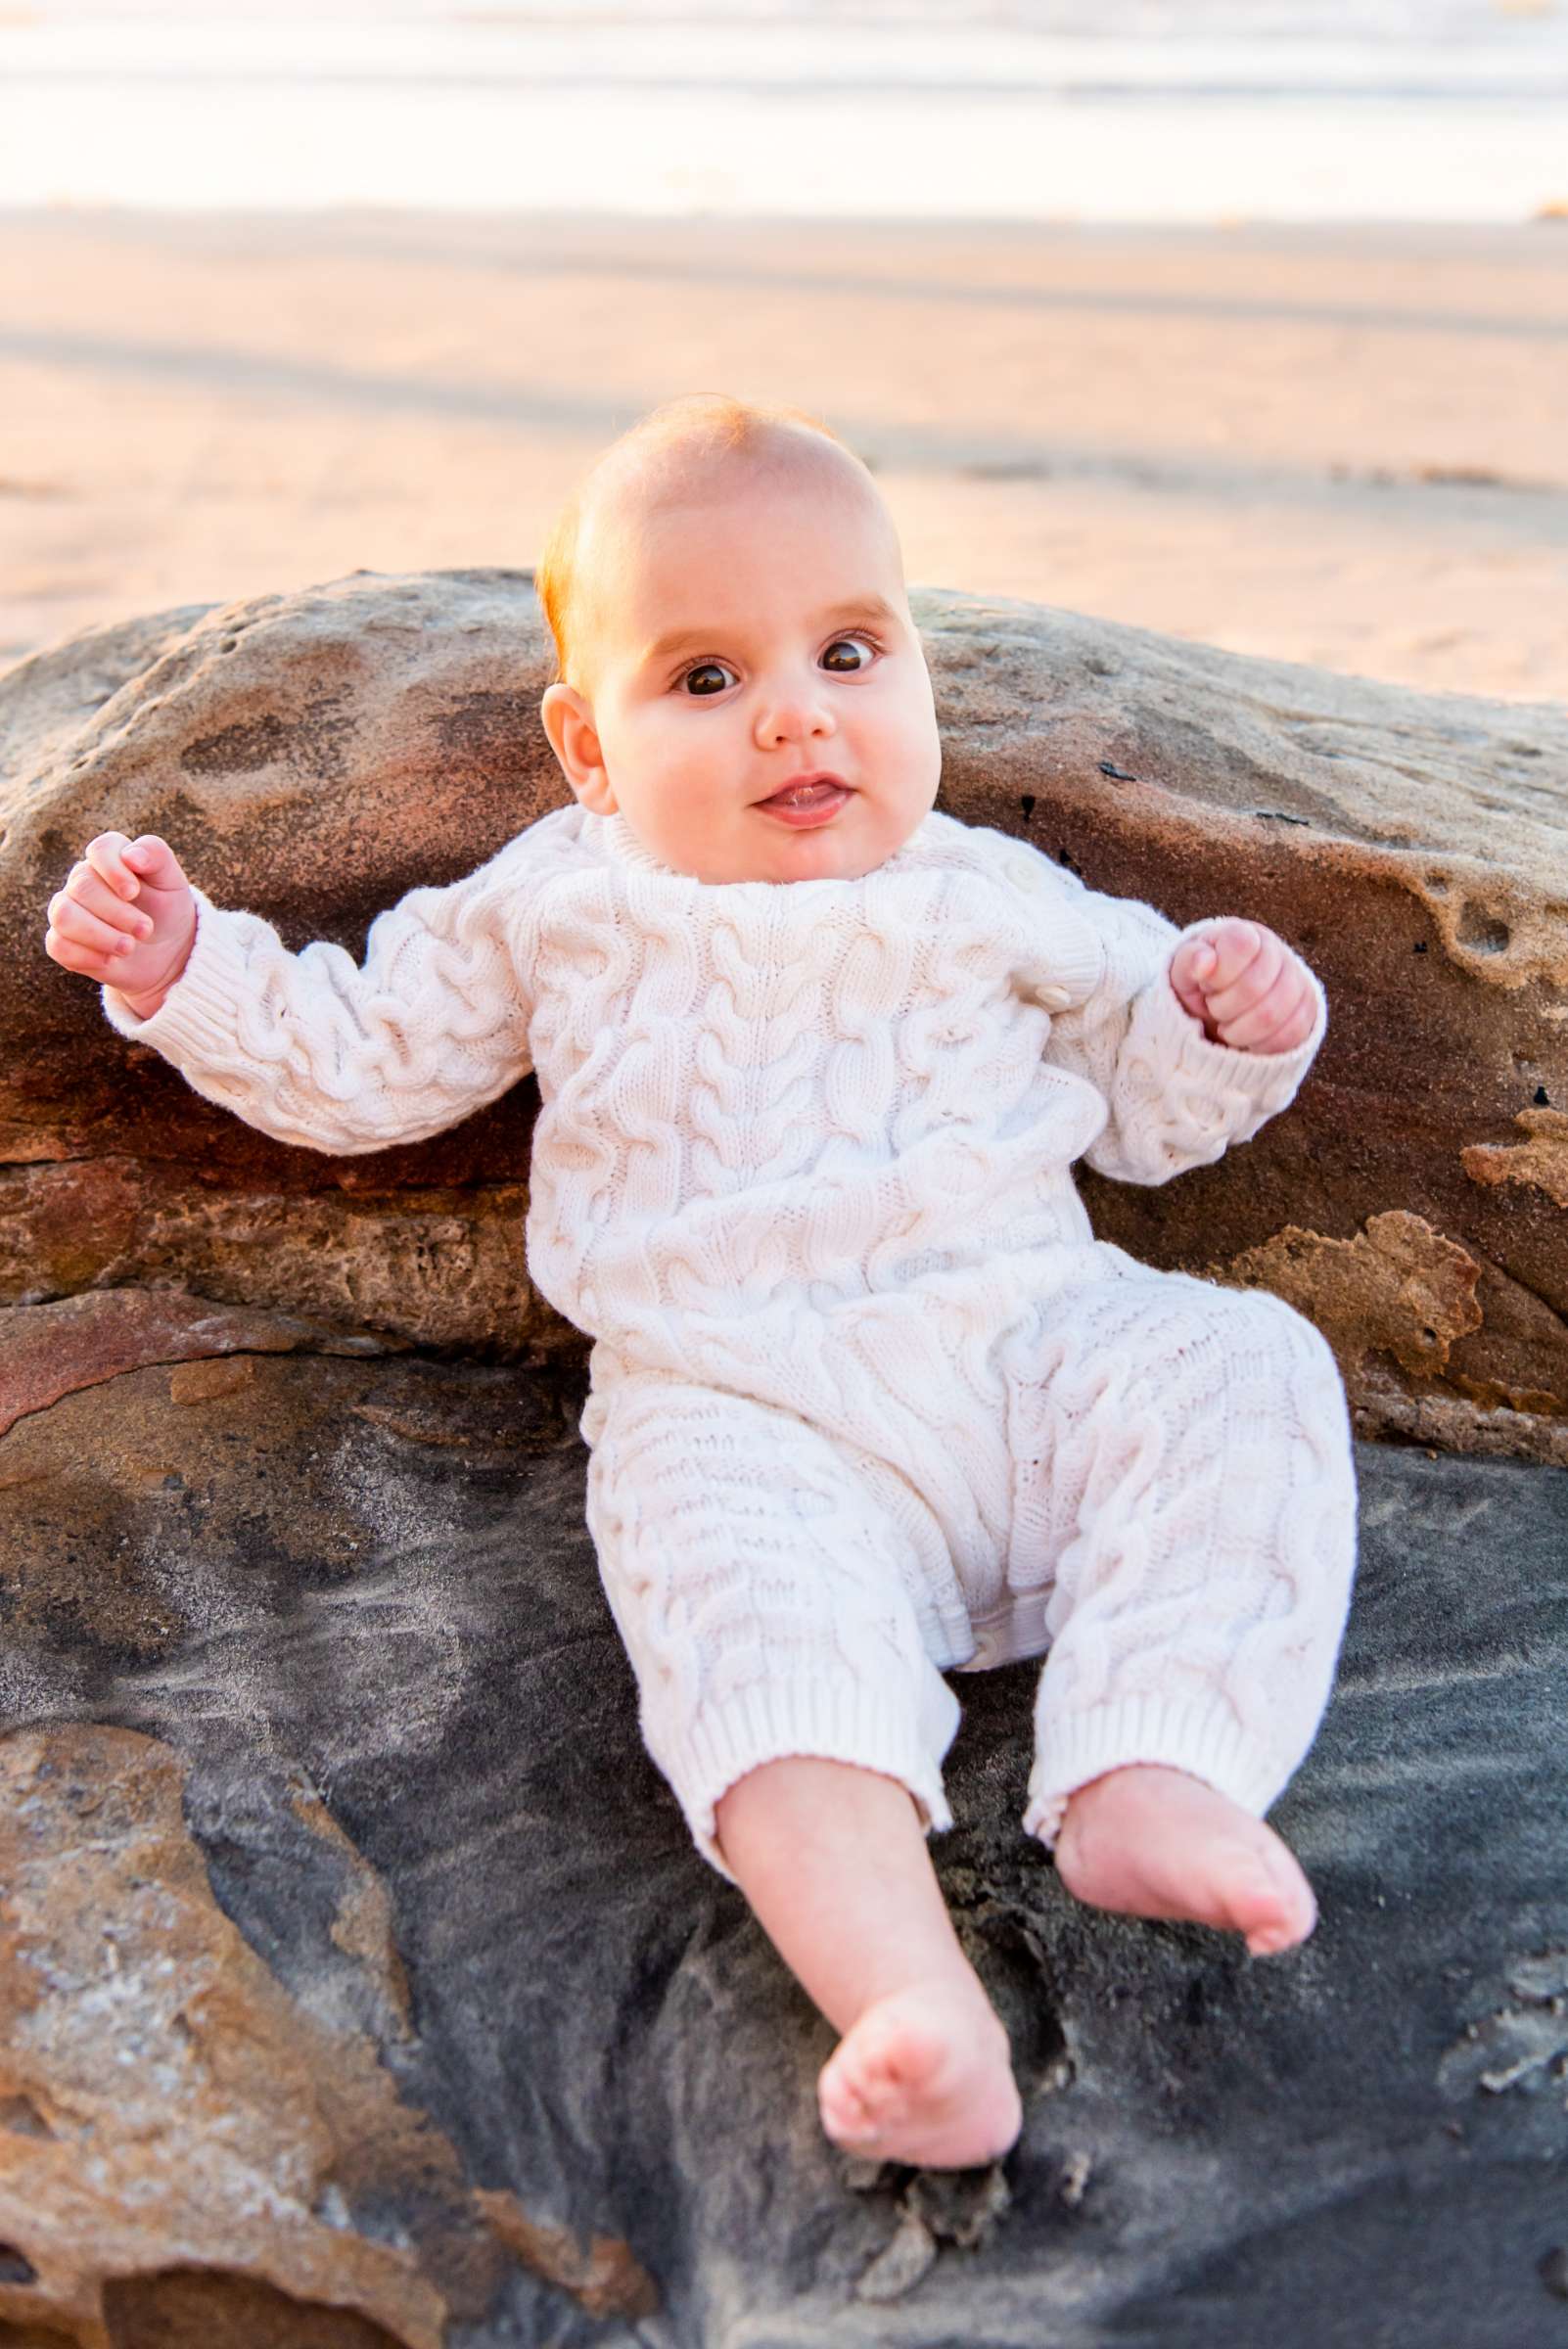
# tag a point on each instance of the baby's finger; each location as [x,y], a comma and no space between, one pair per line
[105,855]
[85,888]
[155,861]
[1232,995]
[1188,973]
[84,931]
[1270,1010]
[1295,1032]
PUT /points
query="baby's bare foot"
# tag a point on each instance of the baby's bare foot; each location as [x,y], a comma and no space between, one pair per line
[1156,1842]
[924,2076]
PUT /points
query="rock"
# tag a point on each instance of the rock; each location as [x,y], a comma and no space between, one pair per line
[312,756]
[359,1984]
[53,1350]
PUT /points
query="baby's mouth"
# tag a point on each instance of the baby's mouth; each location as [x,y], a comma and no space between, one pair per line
[811,793]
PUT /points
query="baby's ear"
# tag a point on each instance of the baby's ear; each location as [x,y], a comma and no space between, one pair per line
[568,720]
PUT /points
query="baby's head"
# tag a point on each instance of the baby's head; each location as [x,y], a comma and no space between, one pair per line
[728,600]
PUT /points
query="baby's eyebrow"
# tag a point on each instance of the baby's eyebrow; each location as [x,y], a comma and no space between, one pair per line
[683,640]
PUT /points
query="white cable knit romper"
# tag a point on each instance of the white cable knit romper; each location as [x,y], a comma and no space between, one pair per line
[869,1401]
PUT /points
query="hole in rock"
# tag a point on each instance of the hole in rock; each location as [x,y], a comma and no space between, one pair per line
[14,2266]
[1483,931]
[20,2116]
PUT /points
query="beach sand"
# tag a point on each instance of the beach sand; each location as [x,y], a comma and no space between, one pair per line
[1327,445]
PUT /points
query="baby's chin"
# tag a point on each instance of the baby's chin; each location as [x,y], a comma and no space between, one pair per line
[841,850]
[750,844]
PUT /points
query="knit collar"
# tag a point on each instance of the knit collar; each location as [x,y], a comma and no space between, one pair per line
[620,843]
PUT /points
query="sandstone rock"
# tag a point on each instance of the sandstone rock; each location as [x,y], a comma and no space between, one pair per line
[52,1349]
[311,756]
[359,1984]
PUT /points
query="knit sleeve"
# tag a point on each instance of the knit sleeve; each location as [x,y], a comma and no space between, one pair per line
[1175,1099]
[346,1058]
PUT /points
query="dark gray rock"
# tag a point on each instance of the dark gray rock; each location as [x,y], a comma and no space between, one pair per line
[357,1598]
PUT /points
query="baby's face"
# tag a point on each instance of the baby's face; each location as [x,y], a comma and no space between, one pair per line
[743,642]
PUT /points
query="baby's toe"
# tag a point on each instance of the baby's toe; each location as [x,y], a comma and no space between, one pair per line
[849,2117]
[1272,1905]
[862,2079]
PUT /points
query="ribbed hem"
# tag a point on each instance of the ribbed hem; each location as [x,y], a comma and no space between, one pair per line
[198,1018]
[1265,1077]
[1205,1740]
[835,1721]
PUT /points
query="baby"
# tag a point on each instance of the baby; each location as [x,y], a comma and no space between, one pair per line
[869,1403]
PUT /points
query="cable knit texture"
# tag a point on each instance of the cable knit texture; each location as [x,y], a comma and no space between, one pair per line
[869,1401]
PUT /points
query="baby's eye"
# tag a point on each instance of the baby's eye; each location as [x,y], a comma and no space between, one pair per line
[704,669]
[871,648]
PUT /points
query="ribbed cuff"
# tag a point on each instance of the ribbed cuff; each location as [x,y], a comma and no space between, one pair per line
[198,1019]
[831,1721]
[1204,1739]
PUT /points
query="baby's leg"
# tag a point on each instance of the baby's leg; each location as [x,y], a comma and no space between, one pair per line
[766,1585]
[834,1863]
[1199,1451]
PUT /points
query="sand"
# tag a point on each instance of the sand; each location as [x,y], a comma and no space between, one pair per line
[1337,447]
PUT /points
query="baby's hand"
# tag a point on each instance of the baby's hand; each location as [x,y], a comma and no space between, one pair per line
[1247,988]
[126,917]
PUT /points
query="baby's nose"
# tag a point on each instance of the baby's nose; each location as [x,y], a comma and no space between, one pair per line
[792,715]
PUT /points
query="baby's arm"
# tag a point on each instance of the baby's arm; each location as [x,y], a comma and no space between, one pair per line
[1179,1094]
[309,1048]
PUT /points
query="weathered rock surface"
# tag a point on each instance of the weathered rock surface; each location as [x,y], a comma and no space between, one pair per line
[312,756]
[359,1985]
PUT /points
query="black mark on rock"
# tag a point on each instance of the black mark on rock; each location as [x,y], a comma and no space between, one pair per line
[1117,774]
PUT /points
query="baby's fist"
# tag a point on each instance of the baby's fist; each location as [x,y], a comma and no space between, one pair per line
[1247,988]
[126,917]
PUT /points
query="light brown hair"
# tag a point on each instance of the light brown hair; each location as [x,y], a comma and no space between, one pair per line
[666,444]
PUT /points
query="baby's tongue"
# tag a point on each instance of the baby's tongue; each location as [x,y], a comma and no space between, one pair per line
[810,796]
